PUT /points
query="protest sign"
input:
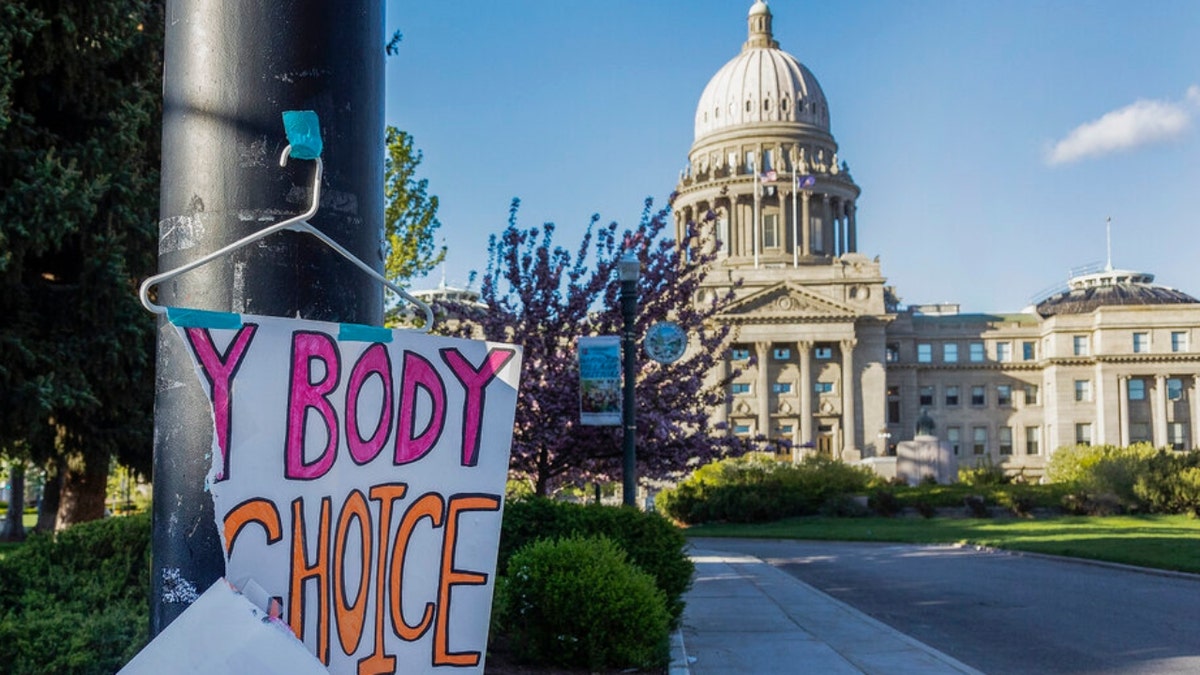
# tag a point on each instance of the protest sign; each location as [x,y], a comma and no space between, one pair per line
[358,477]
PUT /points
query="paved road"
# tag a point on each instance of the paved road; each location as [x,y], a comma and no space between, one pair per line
[1005,613]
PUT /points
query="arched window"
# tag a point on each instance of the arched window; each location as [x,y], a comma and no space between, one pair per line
[766,104]
[783,104]
[748,108]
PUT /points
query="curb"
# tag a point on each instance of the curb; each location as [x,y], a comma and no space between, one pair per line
[679,657]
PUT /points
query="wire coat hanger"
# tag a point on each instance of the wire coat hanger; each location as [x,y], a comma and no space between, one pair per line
[308,147]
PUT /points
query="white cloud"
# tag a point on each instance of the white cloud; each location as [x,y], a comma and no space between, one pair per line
[1140,123]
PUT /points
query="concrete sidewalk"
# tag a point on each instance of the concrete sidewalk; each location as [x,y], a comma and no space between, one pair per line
[745,616]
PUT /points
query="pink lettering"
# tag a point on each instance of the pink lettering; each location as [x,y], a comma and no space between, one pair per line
[475,382]
[219,369]
[307,349]
[374,361]
[419,374]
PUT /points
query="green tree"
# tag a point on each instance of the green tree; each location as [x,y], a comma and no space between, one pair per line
[410,212]
[80,111]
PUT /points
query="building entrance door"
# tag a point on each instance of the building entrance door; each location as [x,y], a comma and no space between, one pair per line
[825,440]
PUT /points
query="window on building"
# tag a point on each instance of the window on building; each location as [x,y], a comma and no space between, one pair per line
[732,159]
[1029,350]
[954,438]
[1179,341]
[976,352]
[1033,437]
[1004,352]
[1141,343]
[952,395]
[823,387]
[1174,388]
[1004,440]
[741,429]
[1083,390]
[893,352]
[782,387]
[785,429]
[782,354]
[824,353]
[1080,346]
[1003,394]
[1031,394]
[1177,435]
[770,232]
[950,352]
[893,405]
[978,395]
[1083,433]
[749,153]
[926,395]
[924,352]
[740,387]
[1137,390]
[979,440]
[739,354]
[1139,432]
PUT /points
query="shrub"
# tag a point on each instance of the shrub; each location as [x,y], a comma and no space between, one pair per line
[983,474]
[976,506]
[578,603]
[924,508]
[1108,478]
[758,488]
[843,506]
[884,503]
[77,602]
[651,541]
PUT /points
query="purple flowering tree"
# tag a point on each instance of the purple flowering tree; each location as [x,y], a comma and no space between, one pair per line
[543,296]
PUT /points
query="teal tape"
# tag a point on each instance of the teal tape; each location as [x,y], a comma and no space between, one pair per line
[353,332]
[200,318]
[303,133]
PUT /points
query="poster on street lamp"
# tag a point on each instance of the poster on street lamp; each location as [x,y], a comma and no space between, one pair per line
[599,380]
[358,477]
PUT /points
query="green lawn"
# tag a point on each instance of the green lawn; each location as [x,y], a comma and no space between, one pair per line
[1164,542]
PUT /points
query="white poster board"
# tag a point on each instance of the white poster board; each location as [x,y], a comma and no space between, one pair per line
[358,477]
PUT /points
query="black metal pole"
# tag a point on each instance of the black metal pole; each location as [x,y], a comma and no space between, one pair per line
[628,416]
[231,69]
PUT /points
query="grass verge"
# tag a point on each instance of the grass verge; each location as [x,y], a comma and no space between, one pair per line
[1162,542]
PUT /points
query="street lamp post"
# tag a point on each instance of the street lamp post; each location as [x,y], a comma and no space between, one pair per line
[628,269]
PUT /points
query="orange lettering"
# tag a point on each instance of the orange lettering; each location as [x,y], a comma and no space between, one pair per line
[428,506]
[302,571]
[442,656]
[257,510]
[350,617]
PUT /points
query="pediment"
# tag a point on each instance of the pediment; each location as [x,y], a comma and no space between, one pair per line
[785,301]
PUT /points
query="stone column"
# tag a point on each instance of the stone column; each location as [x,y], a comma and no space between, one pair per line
[849,388]
[851,209]
[1159,411]
[1100,437]
[804,349]
[826,225]
[1194,422]
[805,225]
[1123,409]
[762,349]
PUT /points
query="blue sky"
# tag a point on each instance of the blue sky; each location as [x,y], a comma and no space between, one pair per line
[990,139]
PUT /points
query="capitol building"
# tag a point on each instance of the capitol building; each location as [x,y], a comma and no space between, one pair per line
[824,356]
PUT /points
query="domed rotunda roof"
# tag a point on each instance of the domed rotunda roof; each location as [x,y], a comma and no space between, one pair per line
[762,84]
[1110,287]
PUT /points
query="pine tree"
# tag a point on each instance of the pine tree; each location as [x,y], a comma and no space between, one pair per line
[80,110]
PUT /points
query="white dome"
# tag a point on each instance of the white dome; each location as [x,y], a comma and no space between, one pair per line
[763,84]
